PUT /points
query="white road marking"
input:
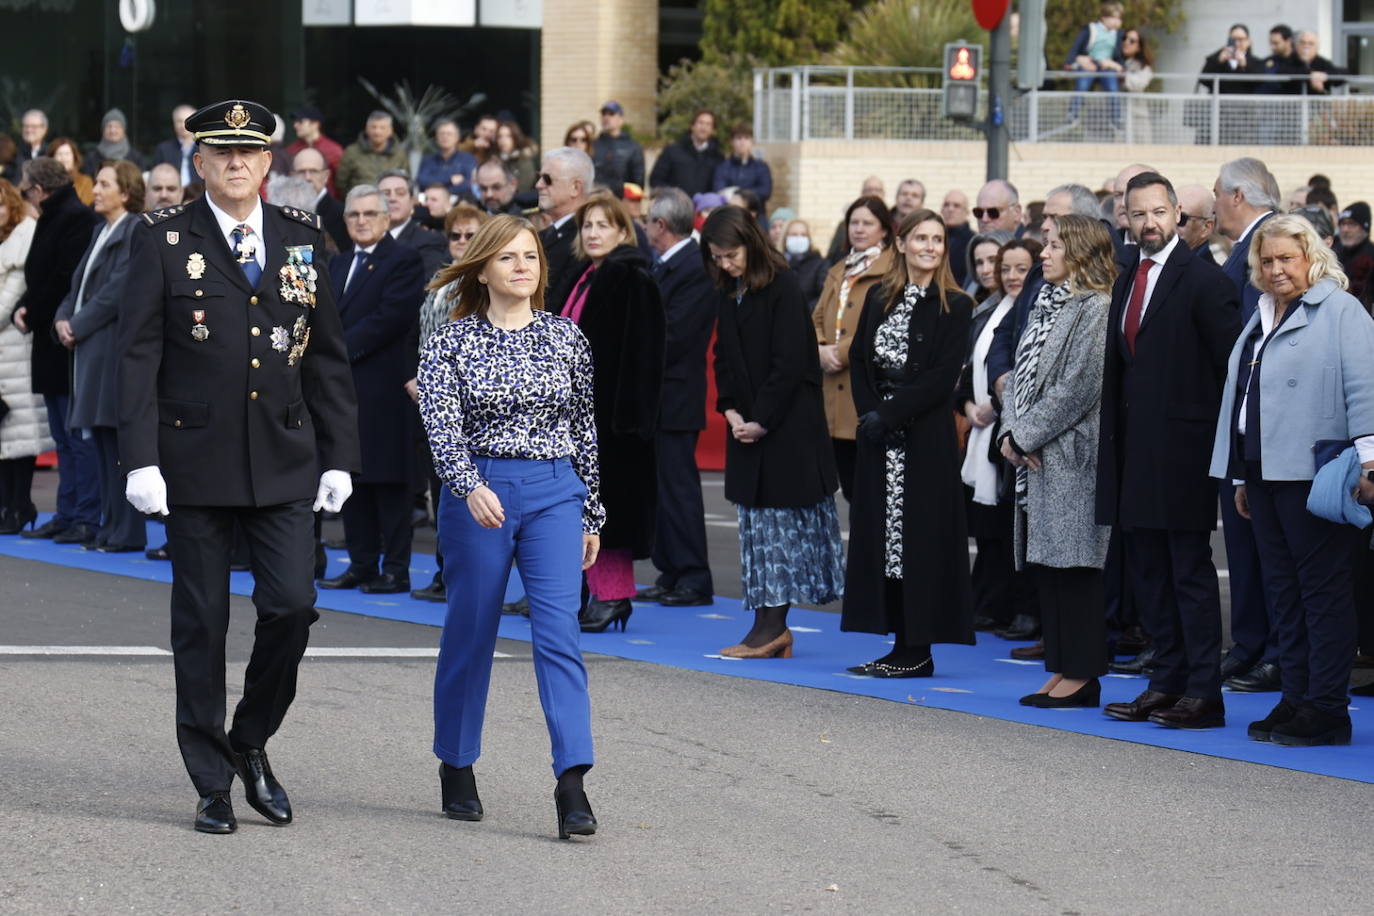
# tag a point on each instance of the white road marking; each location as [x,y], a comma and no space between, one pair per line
[82,650]
[315,652]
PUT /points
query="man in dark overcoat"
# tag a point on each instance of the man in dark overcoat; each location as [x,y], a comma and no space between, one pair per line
[379,285]
[1173,322]
[235,408]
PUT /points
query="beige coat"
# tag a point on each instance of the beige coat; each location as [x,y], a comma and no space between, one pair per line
[831,323]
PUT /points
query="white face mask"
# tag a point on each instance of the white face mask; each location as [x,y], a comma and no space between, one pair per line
[798,244]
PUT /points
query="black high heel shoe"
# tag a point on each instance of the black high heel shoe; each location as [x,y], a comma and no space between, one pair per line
[14,521]
[602,614]
[1089,695]
[458,789]
[574,814]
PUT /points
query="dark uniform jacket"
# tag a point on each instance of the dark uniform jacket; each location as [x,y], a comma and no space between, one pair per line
[250,410]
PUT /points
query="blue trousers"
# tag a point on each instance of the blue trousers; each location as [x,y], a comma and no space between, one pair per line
[543,533]
[78,468]
[1110,83]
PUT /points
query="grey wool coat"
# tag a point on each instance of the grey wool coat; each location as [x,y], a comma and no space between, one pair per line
[1057,526]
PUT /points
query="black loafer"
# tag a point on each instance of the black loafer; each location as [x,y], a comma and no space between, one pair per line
[1234,667]
[76,534]
[1263,678]
[265,795]
[653,593]
[49,529]
[434,591]
[685,597]
[215,814]
[925,668]
[866,669]
[157,553]
[349,579]
[119,548]
[385,584]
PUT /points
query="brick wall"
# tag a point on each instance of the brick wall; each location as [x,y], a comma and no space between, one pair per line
[819,178]
[593,52]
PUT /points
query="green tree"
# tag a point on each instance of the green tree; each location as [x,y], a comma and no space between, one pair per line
[776,33]
[1064,19]
[724,85]
[906,33]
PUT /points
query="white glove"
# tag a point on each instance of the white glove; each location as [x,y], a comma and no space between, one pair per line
[335,488]
[146,490]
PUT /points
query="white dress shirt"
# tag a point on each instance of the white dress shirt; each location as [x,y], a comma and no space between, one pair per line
[395,233]
[254,221]
[1151,279]
[674,250]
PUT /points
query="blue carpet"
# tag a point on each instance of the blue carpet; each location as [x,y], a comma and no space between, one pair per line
[980,680]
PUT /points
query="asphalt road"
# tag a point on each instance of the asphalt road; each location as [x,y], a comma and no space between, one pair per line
[715,794]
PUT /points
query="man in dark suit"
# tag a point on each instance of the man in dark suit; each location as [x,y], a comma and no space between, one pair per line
[177,150]
[1173,321]
[309,164]
[59,242]
[234,394]
[563,186]
[1197,221]
[399,191]
[379,285]
[689,306]
[1246,195]
[33,136]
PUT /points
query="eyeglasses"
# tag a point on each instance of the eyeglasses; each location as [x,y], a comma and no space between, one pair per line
[544,177]
[989,212]
[363,214]
[461,236]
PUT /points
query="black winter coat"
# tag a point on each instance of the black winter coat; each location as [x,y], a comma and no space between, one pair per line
[379,314]
[768,369]
[1159,407]
[623,322]
[937,599]
[681,166]
[810,269]
[689,307]
[59,243]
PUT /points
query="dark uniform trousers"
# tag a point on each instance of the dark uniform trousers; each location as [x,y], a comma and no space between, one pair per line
[679,552]
[281,549]
[1175,587]
[377,526]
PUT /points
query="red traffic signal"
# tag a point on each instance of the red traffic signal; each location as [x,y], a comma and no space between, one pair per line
[963,67]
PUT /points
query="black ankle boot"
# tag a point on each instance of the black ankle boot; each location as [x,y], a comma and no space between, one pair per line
[458,789]
[574,813]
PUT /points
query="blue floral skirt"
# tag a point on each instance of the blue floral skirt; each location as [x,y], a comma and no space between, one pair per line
[791,555]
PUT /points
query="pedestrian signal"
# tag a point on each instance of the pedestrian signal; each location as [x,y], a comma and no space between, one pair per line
[963,67]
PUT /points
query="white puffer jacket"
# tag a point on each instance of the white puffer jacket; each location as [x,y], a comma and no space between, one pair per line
[24,431]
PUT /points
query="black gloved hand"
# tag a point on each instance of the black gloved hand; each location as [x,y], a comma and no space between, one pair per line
[872,427]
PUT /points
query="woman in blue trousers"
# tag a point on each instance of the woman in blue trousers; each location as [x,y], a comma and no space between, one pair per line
[506,396]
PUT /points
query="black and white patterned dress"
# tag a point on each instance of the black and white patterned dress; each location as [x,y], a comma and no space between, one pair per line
[889,352]
[486,391]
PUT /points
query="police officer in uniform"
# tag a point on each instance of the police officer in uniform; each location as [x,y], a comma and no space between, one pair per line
[235,393]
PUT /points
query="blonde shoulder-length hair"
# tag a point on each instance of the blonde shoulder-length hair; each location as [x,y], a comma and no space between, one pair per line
[470,294]
[1325,265]
[1088,253]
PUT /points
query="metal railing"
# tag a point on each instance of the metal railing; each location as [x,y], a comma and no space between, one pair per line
[889,103]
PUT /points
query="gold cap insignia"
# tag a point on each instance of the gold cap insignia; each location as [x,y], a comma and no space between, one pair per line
[237,117]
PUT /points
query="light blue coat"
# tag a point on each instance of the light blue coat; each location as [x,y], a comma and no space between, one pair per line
[1316,382]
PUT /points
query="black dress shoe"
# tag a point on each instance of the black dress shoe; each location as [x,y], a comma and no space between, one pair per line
[260,787]
[1132,641]
[575,816]
[685,597]
[434,591]
[215,814]
[521,607]
[1279,715]
[76,534]
[1263,678]
[1234,667]
[1022,628]
[866,669]
[458,793]
[602,614]
[923,668]
[1312,727]
[118,548]
[157,553]
[1088,696]
[49,529]
[349,579]
[1143,663]
[652,594]
[1191,712]
[385,584]
[1139,709]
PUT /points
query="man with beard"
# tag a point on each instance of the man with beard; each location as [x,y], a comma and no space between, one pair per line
[1174,319]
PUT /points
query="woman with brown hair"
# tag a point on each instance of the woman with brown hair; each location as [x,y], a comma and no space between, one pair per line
[506,398]
[85,324]
[868,224]
[908,552]
[580,136]
[616,304]
[65,151]
[779,469]
[517,151]
[23,418]
[1050,415]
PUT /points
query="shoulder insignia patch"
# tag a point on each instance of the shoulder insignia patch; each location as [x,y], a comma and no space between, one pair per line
[302,216]
[153,217]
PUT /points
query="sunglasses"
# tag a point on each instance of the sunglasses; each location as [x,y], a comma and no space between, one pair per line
[461,236]
[577,138]
[989,212]
[544,177]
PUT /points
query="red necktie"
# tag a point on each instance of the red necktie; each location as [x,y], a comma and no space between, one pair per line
[1137,303]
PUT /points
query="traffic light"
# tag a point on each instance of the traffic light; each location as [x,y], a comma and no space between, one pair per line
[963,66]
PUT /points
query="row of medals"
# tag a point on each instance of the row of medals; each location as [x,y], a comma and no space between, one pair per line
[298,284]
